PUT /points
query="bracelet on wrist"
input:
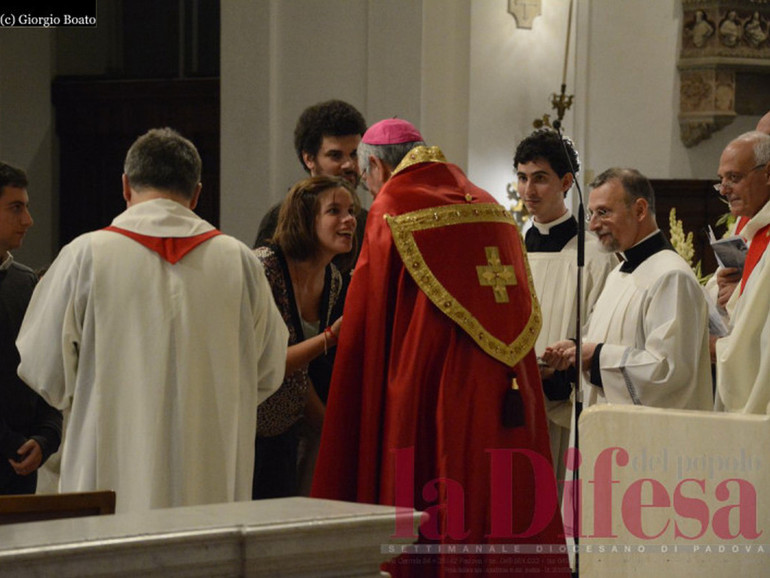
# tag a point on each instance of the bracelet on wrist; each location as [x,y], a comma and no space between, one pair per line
[331,335]
[326,345]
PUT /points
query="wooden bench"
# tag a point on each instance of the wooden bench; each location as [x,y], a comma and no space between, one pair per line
[35,507]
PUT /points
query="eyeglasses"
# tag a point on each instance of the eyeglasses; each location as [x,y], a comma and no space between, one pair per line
[734,178]
[601,214]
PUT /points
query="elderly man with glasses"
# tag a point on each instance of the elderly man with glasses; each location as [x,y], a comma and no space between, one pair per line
[646,342]
[743,383]
[742,188]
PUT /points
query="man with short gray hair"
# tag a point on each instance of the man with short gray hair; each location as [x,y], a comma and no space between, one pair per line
[161,336]
[646,342]
[744,192]
[743,364]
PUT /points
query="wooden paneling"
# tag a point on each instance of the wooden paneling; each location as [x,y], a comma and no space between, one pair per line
[697,205]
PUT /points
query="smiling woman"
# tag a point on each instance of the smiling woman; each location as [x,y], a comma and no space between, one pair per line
[317,222]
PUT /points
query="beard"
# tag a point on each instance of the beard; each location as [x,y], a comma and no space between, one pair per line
[609,244]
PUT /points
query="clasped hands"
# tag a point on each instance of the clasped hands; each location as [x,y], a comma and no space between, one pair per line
[561,355]
[31,460]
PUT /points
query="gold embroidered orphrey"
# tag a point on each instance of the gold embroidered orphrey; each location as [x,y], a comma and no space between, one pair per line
[403,228]
[496,275]
[418,155]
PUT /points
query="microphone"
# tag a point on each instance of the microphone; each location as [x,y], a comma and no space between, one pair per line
[578,402]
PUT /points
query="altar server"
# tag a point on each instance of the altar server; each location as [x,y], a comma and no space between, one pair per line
[543,161]
[647,340]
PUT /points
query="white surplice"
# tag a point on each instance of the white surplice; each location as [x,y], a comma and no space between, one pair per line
[743,357]
[653,323]
[161,365]
[554,275]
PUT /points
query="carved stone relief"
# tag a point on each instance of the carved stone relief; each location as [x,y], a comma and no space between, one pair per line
[707,99]
[525,11]
[722,42]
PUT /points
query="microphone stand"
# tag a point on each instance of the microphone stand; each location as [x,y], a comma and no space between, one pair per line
[578,404]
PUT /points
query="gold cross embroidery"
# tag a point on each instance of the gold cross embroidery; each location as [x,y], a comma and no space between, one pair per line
[496,275]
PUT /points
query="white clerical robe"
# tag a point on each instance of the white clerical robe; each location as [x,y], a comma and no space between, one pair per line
[653,323]
[555,278]
[161,365]
[554,275]
[743,357]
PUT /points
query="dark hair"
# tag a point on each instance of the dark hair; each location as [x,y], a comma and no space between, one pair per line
[329,118]
[634,183]
[165,160]
[11,176]
[295,233]
[545,143]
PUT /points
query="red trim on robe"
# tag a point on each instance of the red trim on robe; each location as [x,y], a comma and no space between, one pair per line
[756,250]
[172,249]
[742,221]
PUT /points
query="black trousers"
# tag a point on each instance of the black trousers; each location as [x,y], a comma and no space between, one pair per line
[275,466]
[11,483]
